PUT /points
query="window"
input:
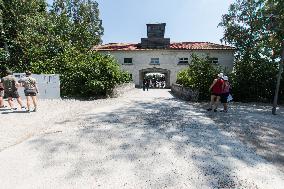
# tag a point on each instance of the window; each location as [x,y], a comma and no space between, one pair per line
[128,61]
[214,60]
[183,61]
[155,61]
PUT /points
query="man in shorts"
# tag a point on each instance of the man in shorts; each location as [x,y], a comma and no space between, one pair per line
[11,85]
[30,89]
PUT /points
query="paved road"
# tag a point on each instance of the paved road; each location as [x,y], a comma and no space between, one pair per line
[141,140]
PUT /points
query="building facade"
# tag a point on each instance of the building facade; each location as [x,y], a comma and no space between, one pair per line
[157,54]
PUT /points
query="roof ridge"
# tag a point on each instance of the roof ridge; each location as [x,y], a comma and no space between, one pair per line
[190,45]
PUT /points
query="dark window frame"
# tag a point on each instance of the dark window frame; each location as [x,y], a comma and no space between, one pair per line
[155,61]
[128,61]
[214,60]
[183,60]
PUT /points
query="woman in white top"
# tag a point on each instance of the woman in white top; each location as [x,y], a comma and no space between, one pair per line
[225,93]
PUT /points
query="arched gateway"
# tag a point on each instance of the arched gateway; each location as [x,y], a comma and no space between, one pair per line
[156,54]
[166,72]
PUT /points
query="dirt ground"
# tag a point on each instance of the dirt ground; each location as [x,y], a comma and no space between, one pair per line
[143,139]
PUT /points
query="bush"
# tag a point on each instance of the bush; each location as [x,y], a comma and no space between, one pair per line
[254,81]
[199,76]
[84,75]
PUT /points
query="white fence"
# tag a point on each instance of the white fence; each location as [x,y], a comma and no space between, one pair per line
[48,85]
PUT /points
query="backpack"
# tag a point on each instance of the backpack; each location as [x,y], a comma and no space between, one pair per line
[9,84]
[1,87]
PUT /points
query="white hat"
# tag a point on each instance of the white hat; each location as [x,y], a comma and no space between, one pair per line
[225,78]
[220,75]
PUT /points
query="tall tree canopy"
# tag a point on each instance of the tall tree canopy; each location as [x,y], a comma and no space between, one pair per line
[250,27]
[22,23]
[32,33]
[77,21]
[58,39]
[256,29]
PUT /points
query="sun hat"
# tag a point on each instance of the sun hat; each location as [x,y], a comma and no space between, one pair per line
[220,75]
[225,78]
[9,72]
[28,73]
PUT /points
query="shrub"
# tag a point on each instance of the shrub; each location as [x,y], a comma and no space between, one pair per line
[254,81]
[199,76]
[84,75]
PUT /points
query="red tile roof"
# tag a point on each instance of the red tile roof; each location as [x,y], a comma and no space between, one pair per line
[173,46]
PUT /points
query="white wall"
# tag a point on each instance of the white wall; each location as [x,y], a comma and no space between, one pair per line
[168,60]
[48,85]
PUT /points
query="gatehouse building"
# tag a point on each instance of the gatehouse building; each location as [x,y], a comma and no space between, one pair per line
[157,54]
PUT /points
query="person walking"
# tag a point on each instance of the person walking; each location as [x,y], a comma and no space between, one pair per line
[30,88]
[144,84]
[11,85]
[147,84]
[216,91]
[1,96]
[225,93]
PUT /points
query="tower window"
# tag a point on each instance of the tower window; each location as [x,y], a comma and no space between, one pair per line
[155,61]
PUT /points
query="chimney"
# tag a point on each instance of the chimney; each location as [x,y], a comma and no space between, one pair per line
[155,40]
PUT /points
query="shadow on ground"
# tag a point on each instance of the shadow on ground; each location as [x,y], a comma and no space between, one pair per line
[257,128]
[159,135]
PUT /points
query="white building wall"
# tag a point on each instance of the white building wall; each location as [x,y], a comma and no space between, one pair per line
[168,60]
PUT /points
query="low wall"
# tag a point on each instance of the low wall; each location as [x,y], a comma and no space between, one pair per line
[48,85]
[121,89]
[184,93]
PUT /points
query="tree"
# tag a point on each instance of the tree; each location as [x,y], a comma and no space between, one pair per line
[58,40]
[77,22]
[20,22]
[247,26]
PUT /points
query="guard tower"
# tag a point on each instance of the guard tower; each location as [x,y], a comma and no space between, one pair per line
[155,37]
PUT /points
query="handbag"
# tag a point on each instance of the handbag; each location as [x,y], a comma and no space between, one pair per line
[230,98]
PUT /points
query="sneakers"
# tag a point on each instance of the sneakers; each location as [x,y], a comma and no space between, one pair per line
[34,110]
[210,109]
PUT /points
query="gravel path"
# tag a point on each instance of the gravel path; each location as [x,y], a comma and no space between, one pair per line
[141,140]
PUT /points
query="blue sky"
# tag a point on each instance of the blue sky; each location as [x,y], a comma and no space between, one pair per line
[187,20]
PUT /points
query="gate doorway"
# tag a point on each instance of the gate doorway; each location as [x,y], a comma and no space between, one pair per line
[156,80]
[159,78]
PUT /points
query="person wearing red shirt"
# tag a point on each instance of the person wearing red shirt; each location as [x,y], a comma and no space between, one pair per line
[216,92]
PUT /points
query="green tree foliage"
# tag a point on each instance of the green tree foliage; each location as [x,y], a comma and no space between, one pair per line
[84,74]
[20,21]
[257,37]
[199,76]
[58,40]
[253,81]
[77,22]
